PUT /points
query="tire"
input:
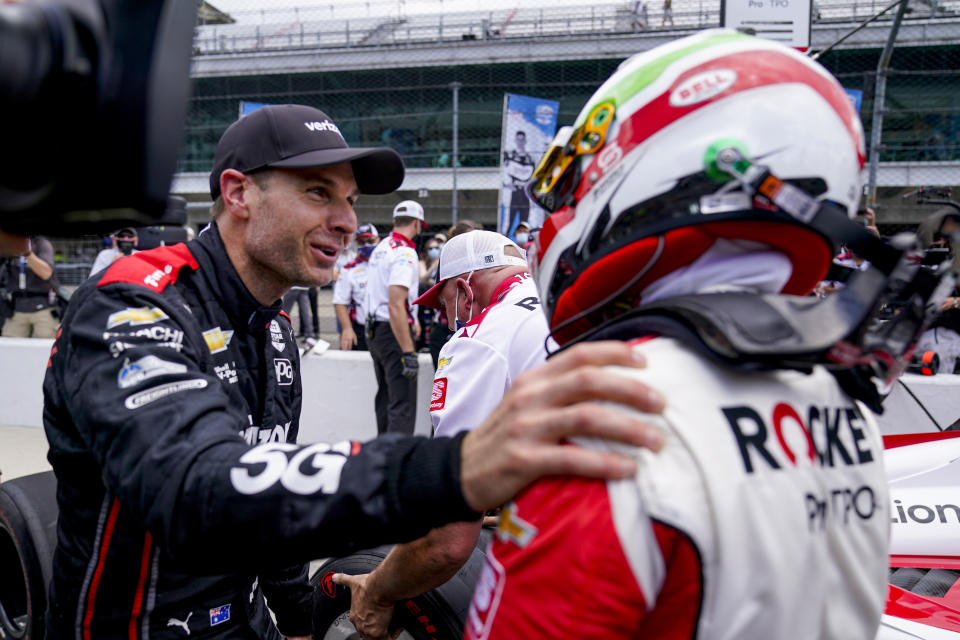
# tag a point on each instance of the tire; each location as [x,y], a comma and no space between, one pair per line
[28,536]
[436,615]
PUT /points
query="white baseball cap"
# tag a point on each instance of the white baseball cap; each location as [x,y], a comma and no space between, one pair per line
[409,208]
[470,251]
[367,230]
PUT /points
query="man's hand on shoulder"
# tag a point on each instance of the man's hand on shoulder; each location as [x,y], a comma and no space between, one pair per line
[524,438]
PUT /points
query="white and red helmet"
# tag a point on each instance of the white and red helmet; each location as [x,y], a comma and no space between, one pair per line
[636,174]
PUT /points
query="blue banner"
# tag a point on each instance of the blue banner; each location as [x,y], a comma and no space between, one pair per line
[249,107]
[529,125]
[856,98]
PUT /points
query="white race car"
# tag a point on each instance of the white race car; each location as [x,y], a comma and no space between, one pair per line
[924,597]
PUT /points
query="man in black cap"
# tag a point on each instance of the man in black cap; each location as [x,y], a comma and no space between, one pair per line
[172,403]
[123,243]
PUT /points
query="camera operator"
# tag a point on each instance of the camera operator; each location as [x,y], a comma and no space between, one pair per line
[124,244]
[939,232]
[28,292]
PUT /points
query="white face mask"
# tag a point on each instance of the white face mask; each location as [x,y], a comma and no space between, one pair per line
[522,238]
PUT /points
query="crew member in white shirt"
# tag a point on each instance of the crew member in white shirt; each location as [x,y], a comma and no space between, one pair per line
[391,321]
[350,289]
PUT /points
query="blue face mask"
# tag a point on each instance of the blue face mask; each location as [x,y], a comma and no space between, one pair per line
[522,238]
[365,252]
[433,253]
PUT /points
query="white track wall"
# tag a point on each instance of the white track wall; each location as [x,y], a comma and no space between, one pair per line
[339,386]
[338,391]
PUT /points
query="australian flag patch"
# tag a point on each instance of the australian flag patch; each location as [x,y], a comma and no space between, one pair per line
[219,615]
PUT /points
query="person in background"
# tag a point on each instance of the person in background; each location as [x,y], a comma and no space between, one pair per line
[463,226]
[522,235]
[428,262]
[440,332]
[300,296]
[392,326]
[667,13]
[942,230]
[31,293]
[429,257]
[638,14]
[123,243]
[349,291]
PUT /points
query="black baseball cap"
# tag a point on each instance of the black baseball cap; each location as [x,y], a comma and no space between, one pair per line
[297,136]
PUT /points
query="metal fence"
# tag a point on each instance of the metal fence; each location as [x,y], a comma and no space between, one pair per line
[398,92]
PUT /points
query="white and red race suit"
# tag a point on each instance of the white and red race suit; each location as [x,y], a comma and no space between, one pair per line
[480,361]
[765,515]
[351,287]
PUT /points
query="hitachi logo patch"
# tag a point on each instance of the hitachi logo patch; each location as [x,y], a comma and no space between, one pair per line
[326,125]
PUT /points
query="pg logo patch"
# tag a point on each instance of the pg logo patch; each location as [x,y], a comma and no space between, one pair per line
[438,397]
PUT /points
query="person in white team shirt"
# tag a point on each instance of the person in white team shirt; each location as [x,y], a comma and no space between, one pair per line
[391,324]
[491,301]
[492,305]
[350,289]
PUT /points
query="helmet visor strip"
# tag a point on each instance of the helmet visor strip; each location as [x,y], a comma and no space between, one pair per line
[557,175]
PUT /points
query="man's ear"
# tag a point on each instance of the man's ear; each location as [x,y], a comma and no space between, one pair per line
[234,190]
[466,294]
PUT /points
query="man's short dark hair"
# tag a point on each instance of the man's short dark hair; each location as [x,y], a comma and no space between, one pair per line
[464,226]
[521,132]
[402,221]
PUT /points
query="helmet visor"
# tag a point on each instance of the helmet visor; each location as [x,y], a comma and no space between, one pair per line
[557,176]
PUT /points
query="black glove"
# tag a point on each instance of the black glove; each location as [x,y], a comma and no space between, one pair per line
[410,365]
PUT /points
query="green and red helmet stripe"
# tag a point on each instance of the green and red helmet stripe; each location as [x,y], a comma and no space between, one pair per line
[774,67]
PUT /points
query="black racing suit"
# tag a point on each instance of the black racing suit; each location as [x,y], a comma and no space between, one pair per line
[170,397]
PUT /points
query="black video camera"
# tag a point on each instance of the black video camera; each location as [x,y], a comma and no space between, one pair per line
[94,97]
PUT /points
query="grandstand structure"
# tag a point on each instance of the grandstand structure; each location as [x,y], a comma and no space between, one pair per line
[386,72]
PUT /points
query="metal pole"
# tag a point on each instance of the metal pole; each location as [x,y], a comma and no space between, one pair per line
[456,140]
[858,27]
[879,104]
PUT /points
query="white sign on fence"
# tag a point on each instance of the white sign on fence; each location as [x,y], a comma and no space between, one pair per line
[786,21]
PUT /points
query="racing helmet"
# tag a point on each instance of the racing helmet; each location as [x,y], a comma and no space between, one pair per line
[717,135]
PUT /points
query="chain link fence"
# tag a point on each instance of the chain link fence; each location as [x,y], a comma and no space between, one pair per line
[384,72]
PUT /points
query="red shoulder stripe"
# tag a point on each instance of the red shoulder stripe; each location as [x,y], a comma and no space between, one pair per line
[155,268]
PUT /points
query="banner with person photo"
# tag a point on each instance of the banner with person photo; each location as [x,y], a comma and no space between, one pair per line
[529,125]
